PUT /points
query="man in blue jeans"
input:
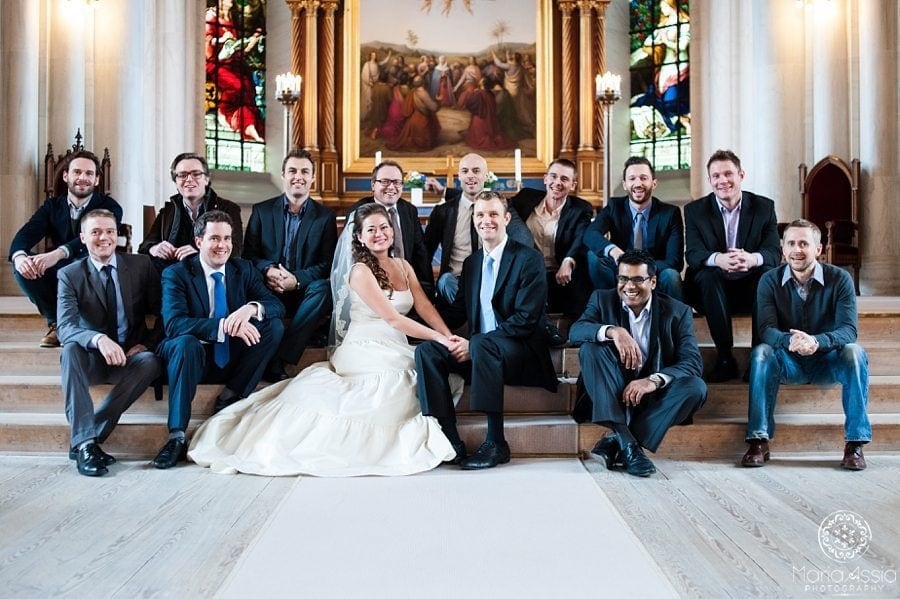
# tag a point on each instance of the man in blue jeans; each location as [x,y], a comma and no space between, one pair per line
[807,318]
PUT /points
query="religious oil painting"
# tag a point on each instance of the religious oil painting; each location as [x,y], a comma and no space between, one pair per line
[447,77]
[660,100]
[235,39]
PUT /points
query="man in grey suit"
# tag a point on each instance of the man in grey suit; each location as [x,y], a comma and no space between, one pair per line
[640,365]
[103,300]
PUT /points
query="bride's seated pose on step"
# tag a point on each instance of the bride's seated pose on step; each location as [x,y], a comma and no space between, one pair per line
[356,414]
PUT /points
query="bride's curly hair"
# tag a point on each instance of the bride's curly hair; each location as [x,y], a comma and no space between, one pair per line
[361,253]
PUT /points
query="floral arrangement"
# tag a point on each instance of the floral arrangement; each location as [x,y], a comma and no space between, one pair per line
[414,180]
[490,181]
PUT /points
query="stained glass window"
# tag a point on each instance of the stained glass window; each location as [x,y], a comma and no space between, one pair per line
[235,84]
[660,99]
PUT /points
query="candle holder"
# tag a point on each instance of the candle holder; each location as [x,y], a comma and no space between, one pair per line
[608,93]
[287,91]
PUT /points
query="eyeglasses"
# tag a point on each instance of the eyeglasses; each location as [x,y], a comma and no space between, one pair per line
[636,280]
[195,175]
[389,182]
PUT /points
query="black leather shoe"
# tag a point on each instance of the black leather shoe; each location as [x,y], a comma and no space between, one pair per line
[89,461]
[554,337]
[275,373]
[607,449]
[224,402]
[108,460]
[757,455]
[724,370]
[635,461]
[853,457]
[174,451]
[461,454]
[487,456]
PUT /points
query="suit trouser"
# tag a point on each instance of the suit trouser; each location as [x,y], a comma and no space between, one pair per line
[604,380]
[42,291]
[310,307]
[189,361]
[495,361]
[82,368]
[720,297]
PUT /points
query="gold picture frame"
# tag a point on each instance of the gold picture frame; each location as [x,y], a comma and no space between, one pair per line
[536,151]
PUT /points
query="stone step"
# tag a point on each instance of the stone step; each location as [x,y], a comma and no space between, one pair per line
[43,394]
[142,435]
[796,433]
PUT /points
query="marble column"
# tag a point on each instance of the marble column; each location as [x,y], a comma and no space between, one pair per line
[21,152]
[879,147]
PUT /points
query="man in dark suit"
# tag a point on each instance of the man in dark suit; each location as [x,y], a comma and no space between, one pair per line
[103,301]
[171,237]
[387,187]
[291,240]
[58,218]
[223,325]
[637,221]
[450,226]
[502,293]
[731,241]
[557,221]
[640,365]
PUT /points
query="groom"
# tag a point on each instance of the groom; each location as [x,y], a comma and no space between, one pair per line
[502,292]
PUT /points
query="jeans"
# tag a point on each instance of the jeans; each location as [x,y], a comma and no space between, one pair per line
[769,367]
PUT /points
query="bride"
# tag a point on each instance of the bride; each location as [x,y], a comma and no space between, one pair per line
[358,413]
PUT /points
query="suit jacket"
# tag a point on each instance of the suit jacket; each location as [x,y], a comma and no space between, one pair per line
[672,349]
[52,219]
[413,241]
[170,222]
[81,300]
[520,293]
[665,231]
[185,298]
[574,219]
[316,239]
[441,229]
[705,229]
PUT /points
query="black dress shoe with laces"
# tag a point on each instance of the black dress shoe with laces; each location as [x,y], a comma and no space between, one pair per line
[635,461]
[275,373]
[607,449]
[108,460]
[174,451]
[460,449]
[223,402]
[488,455]
[724,370]
[89,461]
[554,337]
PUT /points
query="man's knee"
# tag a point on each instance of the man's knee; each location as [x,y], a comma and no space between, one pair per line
[73,355]
[146,365]
[669,281]
[762,354]
[448,286]
[853,356]
[481,346]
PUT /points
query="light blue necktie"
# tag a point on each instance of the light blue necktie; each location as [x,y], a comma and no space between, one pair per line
[220,310]
[488,322]
[639,231]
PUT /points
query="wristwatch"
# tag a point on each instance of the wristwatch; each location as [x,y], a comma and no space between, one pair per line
[657,380]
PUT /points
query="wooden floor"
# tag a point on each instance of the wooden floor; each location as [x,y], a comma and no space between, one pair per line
[715,530]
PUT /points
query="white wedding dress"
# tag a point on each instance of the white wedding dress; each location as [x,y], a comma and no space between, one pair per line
[355,415]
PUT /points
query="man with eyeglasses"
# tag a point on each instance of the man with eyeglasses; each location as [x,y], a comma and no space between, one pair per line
[59,219]
[291,240]
[640,365]
[171,237]
[637,221]
[409,241]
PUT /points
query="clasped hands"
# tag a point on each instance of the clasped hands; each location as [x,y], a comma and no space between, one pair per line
[458,347]
[802,343]
[34,267]
[279,279]
[167,251]
[630,356]
[736,260]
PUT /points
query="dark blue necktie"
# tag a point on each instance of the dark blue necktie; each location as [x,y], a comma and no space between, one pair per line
[112,305]
[220,310]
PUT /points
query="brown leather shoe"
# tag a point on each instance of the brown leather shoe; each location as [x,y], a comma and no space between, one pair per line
[50,339]
[757,455]
[853,457]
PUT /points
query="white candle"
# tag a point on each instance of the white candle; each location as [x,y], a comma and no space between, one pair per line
[608,84]
[377,157]
[518,165]
[288,83]
[598,86]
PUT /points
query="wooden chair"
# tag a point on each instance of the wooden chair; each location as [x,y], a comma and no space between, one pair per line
[55,186]
[830,193]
